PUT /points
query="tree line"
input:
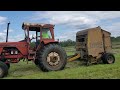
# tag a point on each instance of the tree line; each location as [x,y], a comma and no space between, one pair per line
[70,42]
[115,39]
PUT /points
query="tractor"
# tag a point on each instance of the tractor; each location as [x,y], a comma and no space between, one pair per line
[47,54]
[93,46]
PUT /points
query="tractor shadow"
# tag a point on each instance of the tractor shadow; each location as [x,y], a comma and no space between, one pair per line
[20,69]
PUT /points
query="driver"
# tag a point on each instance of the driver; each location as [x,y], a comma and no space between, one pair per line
[45,34]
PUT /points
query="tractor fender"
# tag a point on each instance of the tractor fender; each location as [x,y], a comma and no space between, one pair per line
[51,42]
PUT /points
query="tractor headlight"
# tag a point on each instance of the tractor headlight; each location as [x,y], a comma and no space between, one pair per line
[12,52]
[16,52]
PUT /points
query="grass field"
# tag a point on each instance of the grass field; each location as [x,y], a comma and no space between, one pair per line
[73,70]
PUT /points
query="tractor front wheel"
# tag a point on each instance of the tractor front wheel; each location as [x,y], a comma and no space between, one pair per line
[52,58]
[8,65]
[36,61]
[3,69]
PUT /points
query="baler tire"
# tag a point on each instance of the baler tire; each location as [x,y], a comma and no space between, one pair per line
[106,58]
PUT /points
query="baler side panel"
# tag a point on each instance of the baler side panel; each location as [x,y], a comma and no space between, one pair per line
[95,42]
[107,42]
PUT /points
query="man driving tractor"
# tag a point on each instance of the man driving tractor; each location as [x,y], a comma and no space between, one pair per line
[45,34]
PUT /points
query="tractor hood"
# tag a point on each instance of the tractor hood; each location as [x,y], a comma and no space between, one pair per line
[13,44]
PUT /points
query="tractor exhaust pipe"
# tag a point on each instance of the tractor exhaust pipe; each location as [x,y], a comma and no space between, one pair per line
[7,32]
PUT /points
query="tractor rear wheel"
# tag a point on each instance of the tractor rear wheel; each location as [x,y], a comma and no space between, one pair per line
[52,58]
[3,69]
[3,59]
[108,58]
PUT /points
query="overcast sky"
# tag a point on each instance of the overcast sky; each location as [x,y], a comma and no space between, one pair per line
[67,23]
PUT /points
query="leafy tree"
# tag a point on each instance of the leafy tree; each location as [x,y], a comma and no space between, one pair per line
[68,42]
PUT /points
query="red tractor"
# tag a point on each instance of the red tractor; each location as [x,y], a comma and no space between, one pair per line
[47,54]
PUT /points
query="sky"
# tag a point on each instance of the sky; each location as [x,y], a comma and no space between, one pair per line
[67,23]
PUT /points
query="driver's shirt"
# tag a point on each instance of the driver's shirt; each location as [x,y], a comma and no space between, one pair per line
[45,35]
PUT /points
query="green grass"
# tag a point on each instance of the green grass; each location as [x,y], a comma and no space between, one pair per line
[73,70]
[115,45]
